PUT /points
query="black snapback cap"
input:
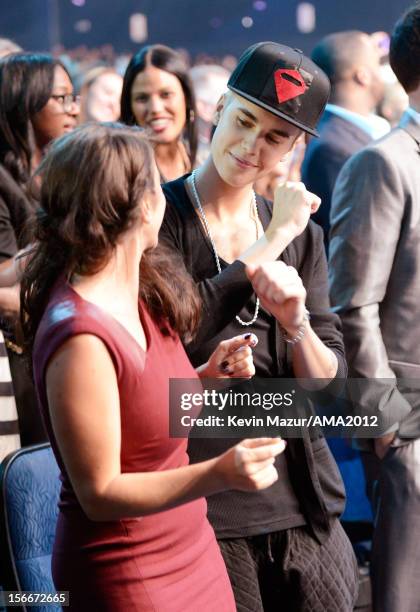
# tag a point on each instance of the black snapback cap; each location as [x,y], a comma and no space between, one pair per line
[284,82]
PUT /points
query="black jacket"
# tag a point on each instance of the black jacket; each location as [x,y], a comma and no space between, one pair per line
[314,475]
[16,212]
[325,156]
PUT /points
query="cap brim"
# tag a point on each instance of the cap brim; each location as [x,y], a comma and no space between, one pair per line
[275,112]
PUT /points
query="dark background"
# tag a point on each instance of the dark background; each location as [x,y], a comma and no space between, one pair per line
[209,26]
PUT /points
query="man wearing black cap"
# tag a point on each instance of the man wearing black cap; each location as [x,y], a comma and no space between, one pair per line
[283,547]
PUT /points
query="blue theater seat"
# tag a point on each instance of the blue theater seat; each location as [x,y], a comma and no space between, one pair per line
[351,469]
[29,489]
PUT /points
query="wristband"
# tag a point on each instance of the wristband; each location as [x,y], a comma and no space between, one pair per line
[300,332]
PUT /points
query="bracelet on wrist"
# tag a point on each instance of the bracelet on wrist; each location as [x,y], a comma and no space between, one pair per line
[300,332]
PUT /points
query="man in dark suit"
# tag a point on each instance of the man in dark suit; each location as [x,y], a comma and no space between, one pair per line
[375,280]
[351,61]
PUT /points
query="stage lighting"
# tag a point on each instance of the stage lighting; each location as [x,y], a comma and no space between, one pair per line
[260,5]
[305,17]
[247,22]
[83,26]
[138,28]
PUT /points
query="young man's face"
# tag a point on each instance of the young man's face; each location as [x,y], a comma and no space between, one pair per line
[249,141]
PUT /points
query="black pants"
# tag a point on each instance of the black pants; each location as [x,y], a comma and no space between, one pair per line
[288,571]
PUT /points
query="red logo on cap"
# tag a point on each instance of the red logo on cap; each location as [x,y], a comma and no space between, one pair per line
[289,84]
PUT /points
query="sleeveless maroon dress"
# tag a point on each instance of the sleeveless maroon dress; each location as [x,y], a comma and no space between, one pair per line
[166,562]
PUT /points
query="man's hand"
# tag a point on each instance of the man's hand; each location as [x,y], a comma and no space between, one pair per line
[383,443]
[293,205]
[281,292]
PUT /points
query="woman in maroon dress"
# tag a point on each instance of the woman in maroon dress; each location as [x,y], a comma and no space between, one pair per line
[132,531]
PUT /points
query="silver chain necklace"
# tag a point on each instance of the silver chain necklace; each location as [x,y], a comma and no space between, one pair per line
[216,257]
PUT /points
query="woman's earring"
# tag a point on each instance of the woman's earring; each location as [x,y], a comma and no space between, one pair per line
[192,115]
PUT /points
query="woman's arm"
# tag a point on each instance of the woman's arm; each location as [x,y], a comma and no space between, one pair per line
[85,414]
[9,303]
[11,271]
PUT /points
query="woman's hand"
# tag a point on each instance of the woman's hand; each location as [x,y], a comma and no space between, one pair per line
[281,292]
[293,205]
[231,359]
[249,466]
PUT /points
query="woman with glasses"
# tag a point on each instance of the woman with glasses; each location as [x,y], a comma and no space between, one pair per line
[37,105]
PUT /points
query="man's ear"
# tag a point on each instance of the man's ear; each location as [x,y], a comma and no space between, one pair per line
[362,76]
[220,106]
[299,138]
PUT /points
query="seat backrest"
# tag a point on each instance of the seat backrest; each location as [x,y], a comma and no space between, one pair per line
[9,424]
[29,490]
[2,608]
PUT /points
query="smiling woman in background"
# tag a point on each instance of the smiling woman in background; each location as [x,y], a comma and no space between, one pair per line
[158,95]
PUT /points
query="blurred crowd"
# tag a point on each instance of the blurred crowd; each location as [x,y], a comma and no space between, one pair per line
[97,76]
[178,100]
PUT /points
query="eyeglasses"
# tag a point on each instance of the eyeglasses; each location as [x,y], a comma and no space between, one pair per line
[67,101]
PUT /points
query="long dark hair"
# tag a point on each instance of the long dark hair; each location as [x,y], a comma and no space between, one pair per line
[169,60]
[26,84]
[93,182]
